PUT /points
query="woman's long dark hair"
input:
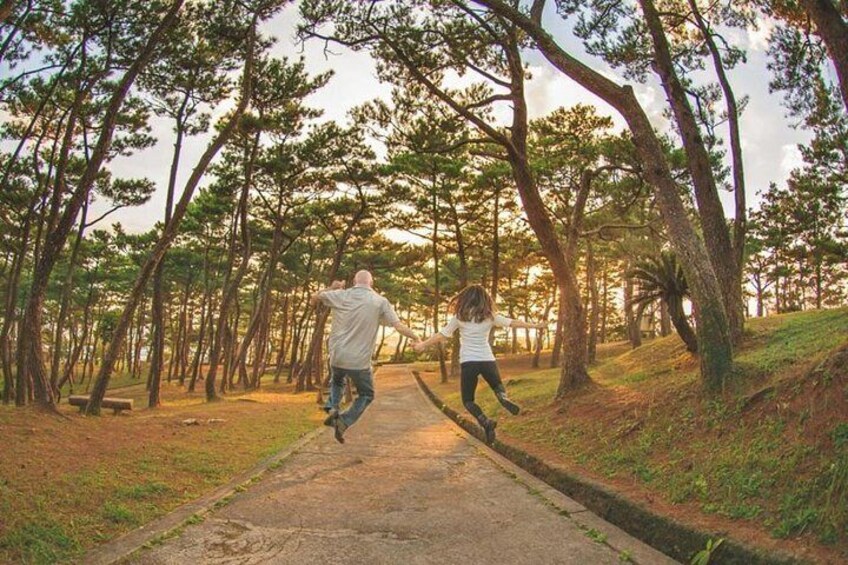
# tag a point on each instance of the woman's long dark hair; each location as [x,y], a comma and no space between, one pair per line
[472,304]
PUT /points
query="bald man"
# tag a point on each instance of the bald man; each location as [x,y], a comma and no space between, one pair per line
[358,312]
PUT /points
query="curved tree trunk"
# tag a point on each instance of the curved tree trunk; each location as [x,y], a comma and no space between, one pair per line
[833,29]
[710,209]
[168,235]
[714,338]
[681,324]
[232,281]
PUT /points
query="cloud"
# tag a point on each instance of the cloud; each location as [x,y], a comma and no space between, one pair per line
[790,159]
[758,37]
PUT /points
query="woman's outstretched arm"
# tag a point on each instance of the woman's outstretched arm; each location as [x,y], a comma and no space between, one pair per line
[523,324]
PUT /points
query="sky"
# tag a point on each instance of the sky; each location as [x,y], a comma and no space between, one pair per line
[769,142]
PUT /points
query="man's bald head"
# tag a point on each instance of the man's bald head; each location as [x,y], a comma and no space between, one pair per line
[363,278]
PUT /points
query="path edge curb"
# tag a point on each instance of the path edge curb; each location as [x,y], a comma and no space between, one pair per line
[120,548]
[677,540]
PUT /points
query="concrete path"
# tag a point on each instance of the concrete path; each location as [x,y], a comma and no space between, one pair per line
[407,487]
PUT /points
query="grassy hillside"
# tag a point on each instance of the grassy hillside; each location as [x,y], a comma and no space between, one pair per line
[767,460]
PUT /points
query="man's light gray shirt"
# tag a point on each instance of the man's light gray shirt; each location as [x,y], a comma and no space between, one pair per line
[358,312]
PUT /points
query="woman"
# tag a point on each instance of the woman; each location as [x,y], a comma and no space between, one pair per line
[475,316]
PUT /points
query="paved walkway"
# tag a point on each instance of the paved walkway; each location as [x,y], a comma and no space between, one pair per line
[407,487]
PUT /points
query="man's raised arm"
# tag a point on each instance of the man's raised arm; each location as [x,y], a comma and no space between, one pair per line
[335,285]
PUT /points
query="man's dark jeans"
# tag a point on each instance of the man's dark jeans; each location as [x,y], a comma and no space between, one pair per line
[363,380]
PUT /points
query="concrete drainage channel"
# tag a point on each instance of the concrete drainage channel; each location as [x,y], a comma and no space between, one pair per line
[672,538]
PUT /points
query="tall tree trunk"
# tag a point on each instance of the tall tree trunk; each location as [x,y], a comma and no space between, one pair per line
[556,350]
[740,220]
[710,210]
[537,354]
[594,303]
[30,357]
[233,281]
[496,251]
[283,342]
[602,337]
[462,257]
[714,336]
[9,315]
[260,311]
[169,233]
[65,302]
[437,286]
[158,353]
[634,333]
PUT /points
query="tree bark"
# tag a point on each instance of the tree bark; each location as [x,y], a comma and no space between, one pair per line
[65,301]
[681,324]
[833,30]
[233,280]
[594,303]
[158,357]
[634,333]
[437,288]
[740,221]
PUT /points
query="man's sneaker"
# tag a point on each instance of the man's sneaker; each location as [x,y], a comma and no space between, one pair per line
[489,428]
[340,429]
[330,420]
[513,408]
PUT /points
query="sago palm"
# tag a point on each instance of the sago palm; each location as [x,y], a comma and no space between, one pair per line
[661,278]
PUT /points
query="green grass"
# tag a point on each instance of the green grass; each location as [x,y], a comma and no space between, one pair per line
[39,541]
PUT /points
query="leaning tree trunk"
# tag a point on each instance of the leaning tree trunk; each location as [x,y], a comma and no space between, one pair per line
[496,251]
[168,235]
[260,310]
[710,209]
[681,324]
[232,283]
[714,337]
[437,286]
[157,359]
[833,30]
[740,219]
[31,359]
[67,290]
